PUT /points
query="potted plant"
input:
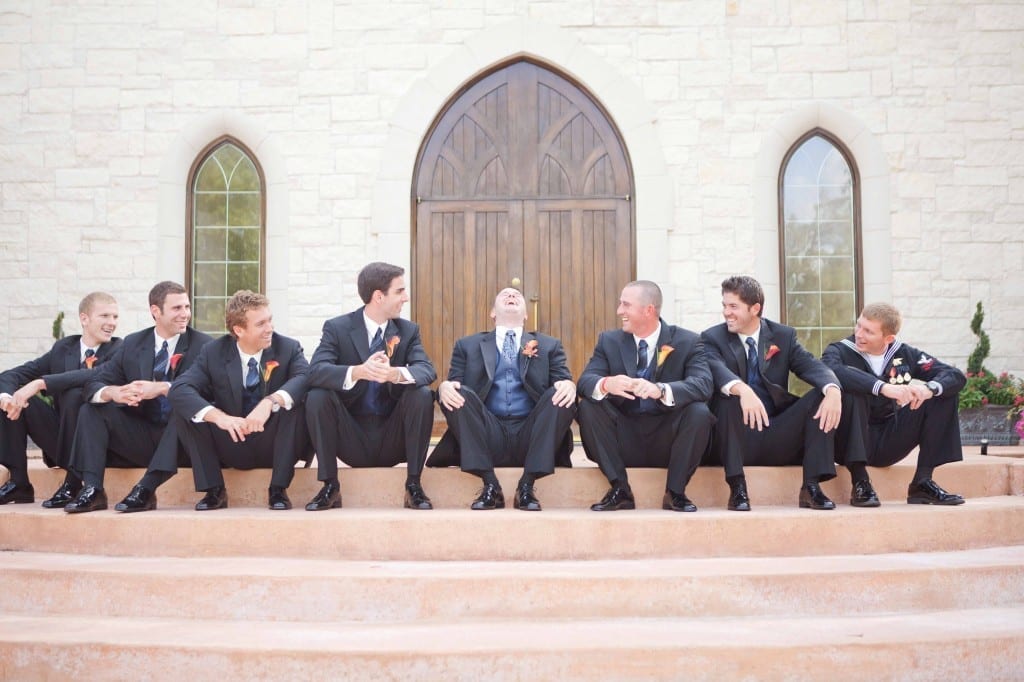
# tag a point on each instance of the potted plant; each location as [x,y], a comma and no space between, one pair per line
[989,403]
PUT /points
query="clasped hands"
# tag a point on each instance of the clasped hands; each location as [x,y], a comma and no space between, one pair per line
[913,395]
[631,388]
[377,368]
[240,427]
[134,393]
[13,405]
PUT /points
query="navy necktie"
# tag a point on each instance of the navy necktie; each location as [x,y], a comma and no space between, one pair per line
[508,349]
[160,364]
[372,399]
[89,352]
[642,366]
[251,395]
[753,377]
[377,344]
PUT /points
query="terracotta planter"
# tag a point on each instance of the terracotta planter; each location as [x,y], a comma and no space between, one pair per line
[989,422]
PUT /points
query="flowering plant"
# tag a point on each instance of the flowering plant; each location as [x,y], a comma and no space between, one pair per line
[391,344]
[986,388]
[268,369]
[771,352]
[530,348]
[1020,426]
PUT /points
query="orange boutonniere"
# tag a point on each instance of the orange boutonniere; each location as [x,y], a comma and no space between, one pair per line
[772,350]
[663,354]
[391,345]
[90,361]
[268,369]
[172,364]
[530,348]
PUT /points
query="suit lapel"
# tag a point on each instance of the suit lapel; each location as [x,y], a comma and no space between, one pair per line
[146,355]
[231,360]
[489,350]
[627,347]
[390,332]
[268,356]
[358,335]
[72,359]
[524,360]
[739,352]
[764,342]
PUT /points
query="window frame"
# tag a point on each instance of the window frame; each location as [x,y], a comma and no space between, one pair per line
[858,249]
[190,227]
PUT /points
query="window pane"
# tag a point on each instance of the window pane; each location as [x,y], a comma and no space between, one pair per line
[243,210]
[819,242]
[210,177]
[209,314]
[209,244]
[228,155]
[245,178]
[244,276]
[211,209]
[209,279]
[244,244]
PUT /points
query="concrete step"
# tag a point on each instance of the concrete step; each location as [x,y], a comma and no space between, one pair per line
[576,488]
[967,644]
[509,534]
[313,590]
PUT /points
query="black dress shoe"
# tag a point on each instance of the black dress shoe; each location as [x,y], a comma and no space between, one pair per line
[812,497]
[139,500]
[929,492]
[65,493]
[12,493]
[863,495]
[277,499]
[490,497]
[89,500]
[738,499]
[215,498]
[329,497]
[415,498]
[526,499]
[616,498]
[677,502]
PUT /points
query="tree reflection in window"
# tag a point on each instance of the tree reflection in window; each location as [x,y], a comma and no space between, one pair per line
[227,232]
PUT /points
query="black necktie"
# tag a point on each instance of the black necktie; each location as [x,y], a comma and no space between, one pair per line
[372,398]
[89,352]
[753,377]
[508,349]
[160,364]
[641,359]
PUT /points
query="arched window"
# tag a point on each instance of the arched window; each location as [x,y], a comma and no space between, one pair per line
[820,241]
[226,218]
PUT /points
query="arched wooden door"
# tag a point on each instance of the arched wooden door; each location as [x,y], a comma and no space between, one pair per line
[522,179]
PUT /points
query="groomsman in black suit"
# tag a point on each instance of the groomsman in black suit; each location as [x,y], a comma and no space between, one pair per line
[760,423]
[645,395]
[124,421]
[369,402]
[239,405]
[61,372]
[509,401]
[895,398]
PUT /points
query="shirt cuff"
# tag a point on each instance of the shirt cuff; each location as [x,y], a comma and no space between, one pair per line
[407,377]
[287,399]
[349,384]
[669,400]
[97,397]
[728,387]
[597,393]
[877,388]
[198,418]
[824,389]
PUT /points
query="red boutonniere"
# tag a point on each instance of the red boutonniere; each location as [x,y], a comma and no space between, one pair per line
[90,361]
[391,345]
[268,369]
[772,351]
[530,348]
[173,364]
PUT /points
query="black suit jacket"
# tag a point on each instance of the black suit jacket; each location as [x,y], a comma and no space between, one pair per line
[343,344]
[728,359]
[902,363]
[685,368]
[133,361]
[59,367]
[216,376]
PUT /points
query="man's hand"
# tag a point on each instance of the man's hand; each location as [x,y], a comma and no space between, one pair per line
[913,395]
[376,368]
[27,392]
[620,385]
[10,408]
[565,393]
[830,410]
[125,395]
[257,419]
[754,413]
[448,394]
[235,426]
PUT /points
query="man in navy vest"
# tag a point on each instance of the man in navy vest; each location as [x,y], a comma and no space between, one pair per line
[61,372]
[509,401]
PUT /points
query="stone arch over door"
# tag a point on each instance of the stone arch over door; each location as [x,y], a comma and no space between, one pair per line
[522,180]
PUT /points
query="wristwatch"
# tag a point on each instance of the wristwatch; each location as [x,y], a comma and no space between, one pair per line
[934,387]
[664,390]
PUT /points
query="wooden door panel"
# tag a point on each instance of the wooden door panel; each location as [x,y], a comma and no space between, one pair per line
[522,176]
